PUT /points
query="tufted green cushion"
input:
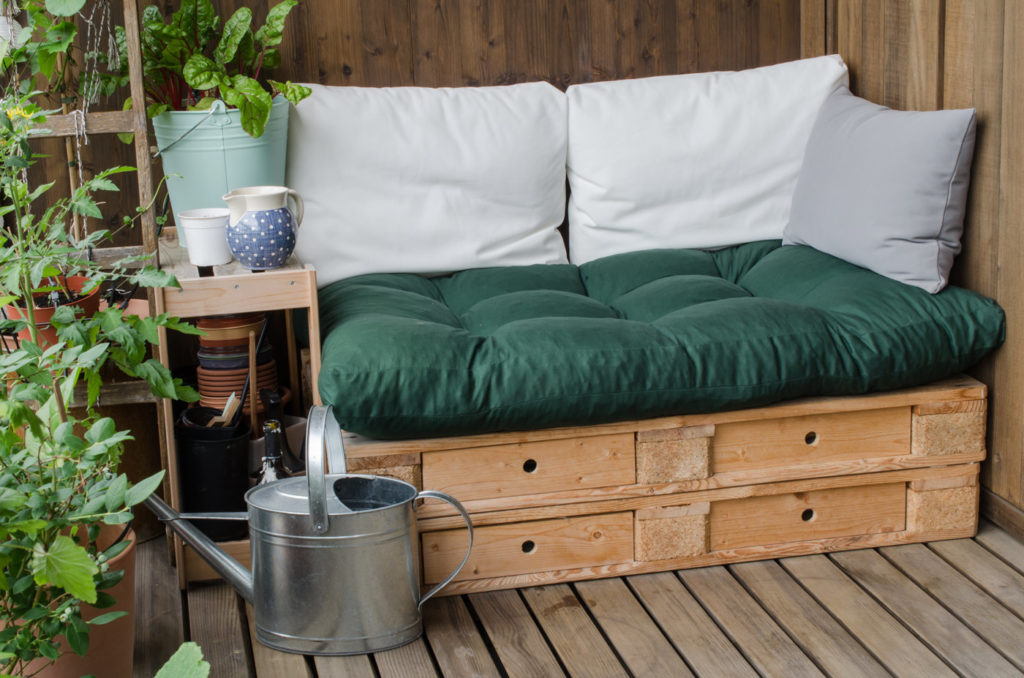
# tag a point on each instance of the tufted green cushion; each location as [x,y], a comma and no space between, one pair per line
[635,335]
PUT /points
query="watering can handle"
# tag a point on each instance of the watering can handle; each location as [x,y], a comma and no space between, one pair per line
[469,526]
[321,425]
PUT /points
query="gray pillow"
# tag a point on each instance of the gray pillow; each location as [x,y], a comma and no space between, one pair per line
[885,189]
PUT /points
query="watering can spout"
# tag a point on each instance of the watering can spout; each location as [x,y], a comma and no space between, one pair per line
[226,566]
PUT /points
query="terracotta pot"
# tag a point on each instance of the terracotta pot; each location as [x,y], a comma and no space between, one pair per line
[47,334]
[111,645]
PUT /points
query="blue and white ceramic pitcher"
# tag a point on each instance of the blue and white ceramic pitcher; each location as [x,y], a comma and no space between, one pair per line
[261,227]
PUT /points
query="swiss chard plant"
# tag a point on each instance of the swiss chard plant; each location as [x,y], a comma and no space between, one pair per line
[192,58]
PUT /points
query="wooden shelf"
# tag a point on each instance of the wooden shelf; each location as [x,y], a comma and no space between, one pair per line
[222,290]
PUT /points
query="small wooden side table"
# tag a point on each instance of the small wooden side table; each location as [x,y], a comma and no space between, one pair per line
[221,290]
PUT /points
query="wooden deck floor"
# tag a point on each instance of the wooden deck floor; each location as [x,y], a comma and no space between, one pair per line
[938,609]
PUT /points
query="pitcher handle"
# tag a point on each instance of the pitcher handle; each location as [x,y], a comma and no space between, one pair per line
[317,427]
[299,207]
[469,525]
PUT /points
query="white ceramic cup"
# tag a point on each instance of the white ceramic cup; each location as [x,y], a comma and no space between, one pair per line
[206,233]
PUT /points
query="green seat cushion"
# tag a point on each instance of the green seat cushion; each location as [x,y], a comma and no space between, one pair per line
[636,335]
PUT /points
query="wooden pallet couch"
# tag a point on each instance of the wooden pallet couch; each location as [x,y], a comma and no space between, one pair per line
[815,440]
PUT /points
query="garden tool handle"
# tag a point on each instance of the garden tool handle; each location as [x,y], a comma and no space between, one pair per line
[299,207]
[433,494]
[320,428]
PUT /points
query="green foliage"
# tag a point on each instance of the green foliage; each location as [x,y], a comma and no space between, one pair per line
[59,458]
[192,58]
[187,662]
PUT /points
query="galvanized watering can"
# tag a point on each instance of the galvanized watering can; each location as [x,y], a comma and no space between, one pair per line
[335,558]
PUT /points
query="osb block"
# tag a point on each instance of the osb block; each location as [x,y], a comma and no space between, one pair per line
[938,510]
[410,474]
[680,433]
[943,434]
[672,461]
[358,464]
[675,535]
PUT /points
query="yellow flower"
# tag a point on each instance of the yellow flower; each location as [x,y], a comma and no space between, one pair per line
[17,112]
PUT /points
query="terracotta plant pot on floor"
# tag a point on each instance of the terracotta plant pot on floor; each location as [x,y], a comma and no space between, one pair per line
[110,645]
[90,303]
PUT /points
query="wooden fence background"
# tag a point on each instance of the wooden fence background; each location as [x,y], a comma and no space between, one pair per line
[928,54]
[921,54]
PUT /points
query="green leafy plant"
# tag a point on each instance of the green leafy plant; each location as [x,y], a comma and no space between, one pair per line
[186,662]
[191,58]
[59,458]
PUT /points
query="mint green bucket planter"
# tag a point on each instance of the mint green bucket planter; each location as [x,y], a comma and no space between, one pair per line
[214,155]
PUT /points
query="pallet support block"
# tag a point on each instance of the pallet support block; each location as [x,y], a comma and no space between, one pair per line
[673,455]
[936,506]
[941,429]
[673,532]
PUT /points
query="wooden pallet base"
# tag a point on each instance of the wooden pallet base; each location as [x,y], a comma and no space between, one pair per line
[824,474]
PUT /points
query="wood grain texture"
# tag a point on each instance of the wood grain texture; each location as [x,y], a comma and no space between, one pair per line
[538,546]
[517,640]
[1000,580]
[409,661]
[1003,544]
[530,468]
[947,636]
[808,439]
[158,607]
[881,633]
[802,516]
[833,648]
[640,642]
[572,634]
[218,626]
[352,666]
[706,648]
[455,640]
[765,644]
[965,599]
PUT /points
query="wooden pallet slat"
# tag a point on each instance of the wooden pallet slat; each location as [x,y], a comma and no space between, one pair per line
[572,634]
[158,607]
[217,625]
[517,640]
[99,122]
[881,633]
[639,641]
[816,631]
[948,636]
[695,635]
[457,644]
[985,569]
[409,661]
[997,625]
[766,645]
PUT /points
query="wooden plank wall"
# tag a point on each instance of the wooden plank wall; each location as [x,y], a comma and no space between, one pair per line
[474,42]
[928,54]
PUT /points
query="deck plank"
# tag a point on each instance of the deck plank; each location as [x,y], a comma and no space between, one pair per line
[571,632]
[634,634]
[948,636]
[409,661]
[1003,544]
[813,628]
[695,635]
[1000,627]
[158,627]
[455,640]
[765,644]
[985,569]
[270,663]
[881,633]
[517,639]
[216,624]
[349,666]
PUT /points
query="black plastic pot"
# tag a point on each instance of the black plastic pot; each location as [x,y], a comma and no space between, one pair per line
[213,470]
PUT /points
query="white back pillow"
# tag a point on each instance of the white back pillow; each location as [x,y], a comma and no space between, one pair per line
[702,161]
[418,180]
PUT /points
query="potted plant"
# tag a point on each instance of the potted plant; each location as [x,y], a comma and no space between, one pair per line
[59,479]
[219,122]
